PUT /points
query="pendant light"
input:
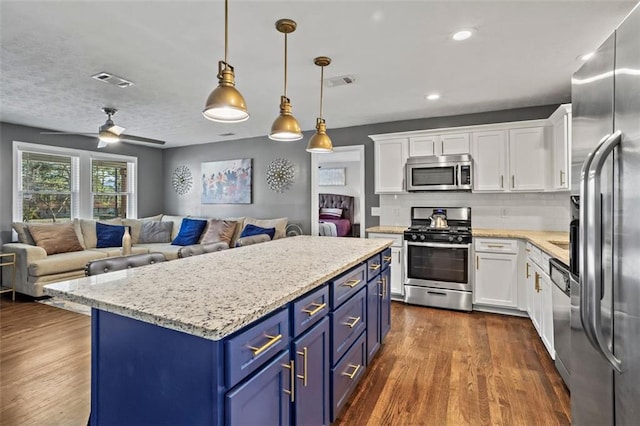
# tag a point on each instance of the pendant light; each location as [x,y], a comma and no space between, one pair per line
[225,104]
[285,128]
[320,142]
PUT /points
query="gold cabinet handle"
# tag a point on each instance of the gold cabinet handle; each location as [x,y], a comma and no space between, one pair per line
[351,375]
[527,250]
[384,287]
[537,282]
[387,258]
[352,283]
[442,147]
[495,245]
[374,267]
[381,288]
[317,308]
[354,320]
[292,377]
[528,275]
[477,262]
[513,181]
[304,375]
[501,181]
[561,178]
[272,341]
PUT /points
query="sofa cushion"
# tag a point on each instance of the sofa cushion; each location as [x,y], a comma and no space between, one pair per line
[280,224]
[190,231]
[109,235]
[177,222]
[56,238]
[88,227]
[218,230]
[135,225]
[63,262]
[169,251]
[254,239]
[24,236]
[117,251]
[155,232]
[251,230]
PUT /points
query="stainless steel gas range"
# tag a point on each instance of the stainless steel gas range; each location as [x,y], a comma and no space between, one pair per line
[438,258]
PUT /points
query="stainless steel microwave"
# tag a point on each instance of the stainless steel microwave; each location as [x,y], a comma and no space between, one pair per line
[439,173]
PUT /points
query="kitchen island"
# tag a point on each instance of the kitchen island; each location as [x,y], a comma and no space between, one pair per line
[251,335]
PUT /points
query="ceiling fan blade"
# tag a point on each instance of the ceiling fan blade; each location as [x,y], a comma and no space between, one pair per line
[68,133]
[102,144]
[116,129]
[139,139]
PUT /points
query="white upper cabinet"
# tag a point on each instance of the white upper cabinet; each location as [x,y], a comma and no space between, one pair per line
[527,159]
[455,143]
[445,144]
[560,143]
[390,158]
[489,151]
[423,145]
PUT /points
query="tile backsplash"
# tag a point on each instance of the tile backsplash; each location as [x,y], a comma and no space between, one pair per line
[532,211]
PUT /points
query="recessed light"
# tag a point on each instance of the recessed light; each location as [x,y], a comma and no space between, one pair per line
[587,56]
[463,34]
[433,96]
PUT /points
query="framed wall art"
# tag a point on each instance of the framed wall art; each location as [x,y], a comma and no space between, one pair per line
[226,182]
[332,177]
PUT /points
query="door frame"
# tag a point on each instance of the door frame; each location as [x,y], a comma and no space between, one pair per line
[314,187]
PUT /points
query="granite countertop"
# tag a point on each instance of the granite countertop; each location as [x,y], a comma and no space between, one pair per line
[215,294]
[387,229]
[541,239]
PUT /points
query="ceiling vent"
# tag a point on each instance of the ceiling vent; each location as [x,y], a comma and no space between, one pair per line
[112,79]
[340,81]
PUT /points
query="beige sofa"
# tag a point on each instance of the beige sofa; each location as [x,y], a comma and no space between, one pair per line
[34,268]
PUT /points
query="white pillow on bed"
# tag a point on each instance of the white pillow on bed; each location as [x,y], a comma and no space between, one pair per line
[333,213]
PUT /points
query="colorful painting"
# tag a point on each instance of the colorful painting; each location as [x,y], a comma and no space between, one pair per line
[226,182]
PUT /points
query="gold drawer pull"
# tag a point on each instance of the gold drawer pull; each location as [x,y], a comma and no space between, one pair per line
[374,267]
[352,283]
[355,321]
[495,245]
[387,258]
[292,376]
[272,341]
[318,308]
[351,375]
[304,376]
[528,274]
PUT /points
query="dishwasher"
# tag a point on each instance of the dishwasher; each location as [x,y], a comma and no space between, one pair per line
[561,301]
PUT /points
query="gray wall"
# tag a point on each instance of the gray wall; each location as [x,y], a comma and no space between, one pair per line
[150,192]
[295,203]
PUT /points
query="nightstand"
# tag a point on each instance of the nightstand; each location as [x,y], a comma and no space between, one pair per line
[9,259]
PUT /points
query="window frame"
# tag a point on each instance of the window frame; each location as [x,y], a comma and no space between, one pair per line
[81,163]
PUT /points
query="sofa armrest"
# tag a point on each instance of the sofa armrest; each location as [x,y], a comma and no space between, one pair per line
[26,252]
[196,249]
[254,239]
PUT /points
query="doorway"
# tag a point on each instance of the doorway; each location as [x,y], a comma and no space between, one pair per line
[351,159]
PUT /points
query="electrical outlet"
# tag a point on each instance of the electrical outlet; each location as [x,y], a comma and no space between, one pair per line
[396,212]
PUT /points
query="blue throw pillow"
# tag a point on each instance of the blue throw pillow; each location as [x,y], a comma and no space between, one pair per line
[109,235]
[190,231]
[250,230]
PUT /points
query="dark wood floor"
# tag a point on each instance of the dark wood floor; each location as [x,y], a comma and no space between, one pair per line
[437,367]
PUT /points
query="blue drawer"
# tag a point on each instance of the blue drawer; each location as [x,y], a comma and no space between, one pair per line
[386,258]
[347,284]
[254,346]
[374,266]
[347,323]
[345,376]
[309,309]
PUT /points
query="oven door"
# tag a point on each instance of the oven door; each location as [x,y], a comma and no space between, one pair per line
[439,265]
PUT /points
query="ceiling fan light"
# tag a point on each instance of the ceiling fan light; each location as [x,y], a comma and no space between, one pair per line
[226,104]
[285,128]
[108,137]
[320,142]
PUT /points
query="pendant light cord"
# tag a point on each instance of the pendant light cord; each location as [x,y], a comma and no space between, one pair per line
[285,65]
[321,89]
[226,30]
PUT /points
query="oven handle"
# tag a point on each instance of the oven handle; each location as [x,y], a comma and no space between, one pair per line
[438,245]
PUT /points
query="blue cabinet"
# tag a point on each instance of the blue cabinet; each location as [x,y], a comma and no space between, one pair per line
[311,353]
[347,373]
[264,398]
[309,309]
[347,323]
[374,288]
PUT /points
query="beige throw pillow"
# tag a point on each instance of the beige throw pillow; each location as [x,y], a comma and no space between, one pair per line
[218,230]
[88,228]
[56,238]
[24,236]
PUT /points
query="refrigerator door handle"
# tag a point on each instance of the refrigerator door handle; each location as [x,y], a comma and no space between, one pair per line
[594,290]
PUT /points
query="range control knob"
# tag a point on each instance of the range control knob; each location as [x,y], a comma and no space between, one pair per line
[459,238]
[422,237]
[450,237]
[414,237]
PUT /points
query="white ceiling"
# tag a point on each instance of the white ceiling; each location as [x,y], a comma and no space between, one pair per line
[523,54]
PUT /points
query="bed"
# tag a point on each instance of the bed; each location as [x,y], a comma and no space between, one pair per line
[335,215]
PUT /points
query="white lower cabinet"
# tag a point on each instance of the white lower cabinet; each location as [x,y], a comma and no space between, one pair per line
[397,262]
[496,277]
[539,300]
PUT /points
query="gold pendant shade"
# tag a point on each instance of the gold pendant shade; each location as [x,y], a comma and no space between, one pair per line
[285,128]
[320,142]
[225,104]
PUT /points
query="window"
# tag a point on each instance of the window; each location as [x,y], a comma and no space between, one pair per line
[54,184]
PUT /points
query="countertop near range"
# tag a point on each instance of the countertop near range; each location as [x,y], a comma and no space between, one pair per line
[387,229]
[544,240]
[215,294]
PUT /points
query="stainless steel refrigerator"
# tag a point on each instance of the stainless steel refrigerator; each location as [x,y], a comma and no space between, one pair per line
[605,232]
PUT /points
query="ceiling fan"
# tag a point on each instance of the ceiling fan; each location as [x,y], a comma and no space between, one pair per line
[110,133]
